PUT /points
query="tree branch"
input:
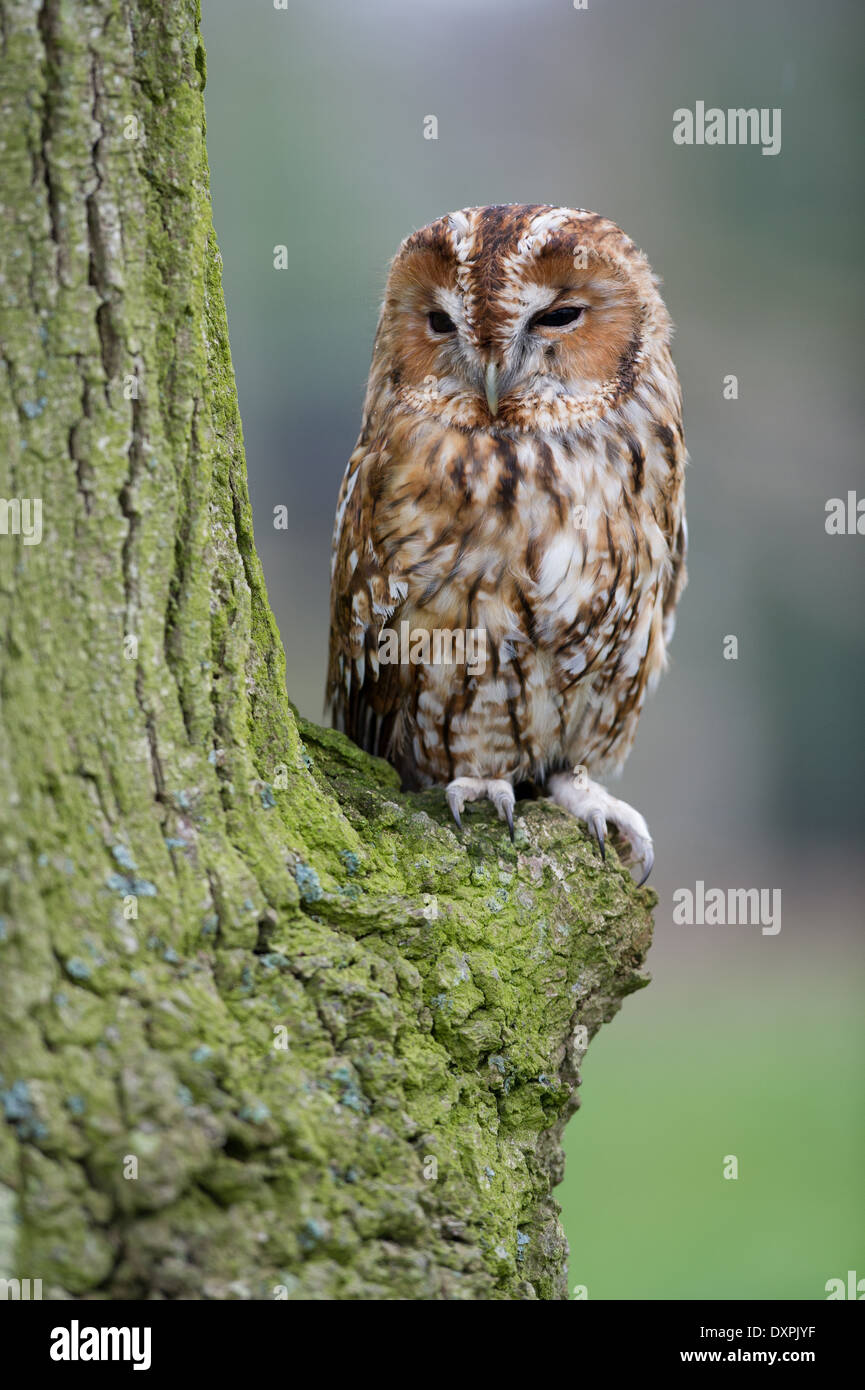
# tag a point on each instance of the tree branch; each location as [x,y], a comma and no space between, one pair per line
[270,1027]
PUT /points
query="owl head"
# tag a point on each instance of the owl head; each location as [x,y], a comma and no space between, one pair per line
[519,317]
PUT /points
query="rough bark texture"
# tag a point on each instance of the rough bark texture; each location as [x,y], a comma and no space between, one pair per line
[338,1042]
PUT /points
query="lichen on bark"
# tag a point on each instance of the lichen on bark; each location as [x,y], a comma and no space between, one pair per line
[270,1028]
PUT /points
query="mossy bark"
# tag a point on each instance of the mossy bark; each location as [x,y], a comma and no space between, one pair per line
[269,1027]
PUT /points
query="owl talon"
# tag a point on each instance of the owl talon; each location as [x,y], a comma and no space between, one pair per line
[598,827]
[648,860]
[456,803]
[592,803]
[499,792]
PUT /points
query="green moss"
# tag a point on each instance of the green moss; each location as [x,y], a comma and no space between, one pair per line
[271,1027]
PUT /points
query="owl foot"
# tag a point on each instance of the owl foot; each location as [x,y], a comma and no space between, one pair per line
[500,793]
[590,802]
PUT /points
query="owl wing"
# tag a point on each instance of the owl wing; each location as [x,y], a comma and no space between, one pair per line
[678,577]
[669,511]
[366,697]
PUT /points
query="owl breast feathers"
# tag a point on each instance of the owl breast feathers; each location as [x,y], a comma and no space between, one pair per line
[515,499]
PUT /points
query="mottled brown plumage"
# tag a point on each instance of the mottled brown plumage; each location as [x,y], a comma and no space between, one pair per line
[519,474]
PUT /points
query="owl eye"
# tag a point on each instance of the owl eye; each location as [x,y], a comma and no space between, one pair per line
[559,318]
[440,322]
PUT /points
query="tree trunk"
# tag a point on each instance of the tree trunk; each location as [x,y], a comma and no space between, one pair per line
[270,1028]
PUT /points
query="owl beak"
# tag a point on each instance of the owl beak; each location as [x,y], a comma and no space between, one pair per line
[491,386]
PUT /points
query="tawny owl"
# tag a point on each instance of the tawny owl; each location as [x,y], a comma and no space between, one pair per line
[510,537]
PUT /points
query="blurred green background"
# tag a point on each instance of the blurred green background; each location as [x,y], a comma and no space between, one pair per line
[750,772]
